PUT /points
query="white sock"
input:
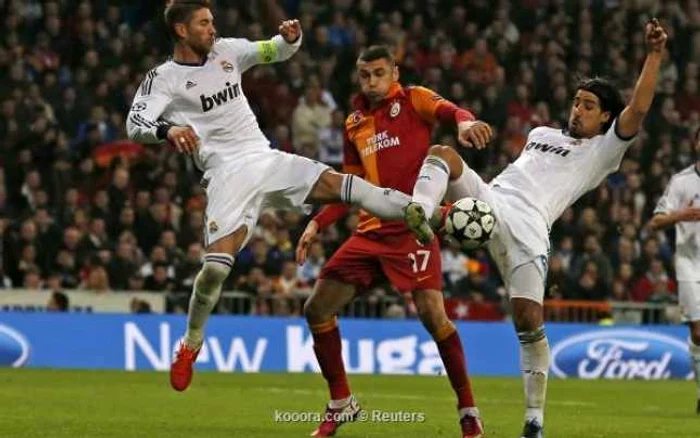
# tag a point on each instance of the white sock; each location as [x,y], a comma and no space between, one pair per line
[383,203]
[534,362]
[464,185]
[205,295]
[695,361]
[472,412]
[431,185]
[337,404]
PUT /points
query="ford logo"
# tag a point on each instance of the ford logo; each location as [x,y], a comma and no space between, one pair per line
[621,354]
[14,348]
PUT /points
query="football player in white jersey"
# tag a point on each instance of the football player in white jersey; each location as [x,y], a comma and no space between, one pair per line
[555,168]
[195,102]
[680,206]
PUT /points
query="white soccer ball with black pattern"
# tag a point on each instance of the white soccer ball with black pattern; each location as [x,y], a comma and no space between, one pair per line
[470,223]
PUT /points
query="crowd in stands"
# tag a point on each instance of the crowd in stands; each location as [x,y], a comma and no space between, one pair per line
[81,206]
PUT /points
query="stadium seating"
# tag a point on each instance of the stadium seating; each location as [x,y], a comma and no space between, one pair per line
[82,207]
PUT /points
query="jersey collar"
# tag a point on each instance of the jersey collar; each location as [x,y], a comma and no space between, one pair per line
[361,103]
[192,64]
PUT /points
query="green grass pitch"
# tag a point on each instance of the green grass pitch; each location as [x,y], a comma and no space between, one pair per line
[56,404]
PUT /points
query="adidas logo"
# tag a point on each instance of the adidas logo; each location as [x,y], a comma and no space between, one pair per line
[189,85]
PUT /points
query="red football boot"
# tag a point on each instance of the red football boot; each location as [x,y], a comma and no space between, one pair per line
[181,369]
[472,427]
[334,418]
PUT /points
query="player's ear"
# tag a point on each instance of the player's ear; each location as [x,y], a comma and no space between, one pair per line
[604,117]
[180,29]
[395,73]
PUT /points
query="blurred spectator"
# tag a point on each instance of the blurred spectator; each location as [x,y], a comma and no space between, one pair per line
[454,265]
[311,268]
[58,302]
[74,216]
[139,306]
[309,118]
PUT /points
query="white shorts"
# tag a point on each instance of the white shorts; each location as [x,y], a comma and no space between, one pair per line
[519,238]
[237,192]
[689,299]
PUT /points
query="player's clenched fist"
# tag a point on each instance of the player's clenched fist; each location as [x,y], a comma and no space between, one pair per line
[184,139]
[655,35]
[474,133]
[290,30]
[306,240]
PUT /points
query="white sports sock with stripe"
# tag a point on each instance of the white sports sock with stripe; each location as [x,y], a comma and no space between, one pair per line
[383,203]
[205,295]
[432,183]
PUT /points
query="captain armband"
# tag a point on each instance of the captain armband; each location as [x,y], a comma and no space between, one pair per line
[267,52]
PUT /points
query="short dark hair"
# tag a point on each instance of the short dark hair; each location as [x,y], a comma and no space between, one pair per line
[180,11]
[373,53]
[61,300]
[608,94]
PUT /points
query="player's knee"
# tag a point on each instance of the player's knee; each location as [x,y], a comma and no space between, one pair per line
[212,275]
[315,311]
[327,187]
[450,156]
[695,333]
[432,317]
[440,150]
[527,320]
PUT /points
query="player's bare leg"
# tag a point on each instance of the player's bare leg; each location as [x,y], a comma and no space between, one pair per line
[218,262]
[327,300]
[350,189]
[694,348]
[431,311]
[442,165]
[534,349]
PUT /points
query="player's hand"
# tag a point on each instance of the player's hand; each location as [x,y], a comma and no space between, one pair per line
[290,30]
[184,139]
[305,241]
[688,214]
[474,134]
[655,36]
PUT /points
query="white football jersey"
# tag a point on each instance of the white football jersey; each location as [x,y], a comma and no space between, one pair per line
[554,169]
[209,98]
[684,191]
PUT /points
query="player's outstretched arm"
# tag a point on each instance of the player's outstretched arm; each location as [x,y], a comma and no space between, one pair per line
[632,117]
[664,220]
[432,107]
[277,49]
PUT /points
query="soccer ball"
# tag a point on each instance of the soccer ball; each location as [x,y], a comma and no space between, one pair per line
[470,223]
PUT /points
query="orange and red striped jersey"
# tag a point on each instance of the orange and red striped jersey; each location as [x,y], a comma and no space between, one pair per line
[387,144]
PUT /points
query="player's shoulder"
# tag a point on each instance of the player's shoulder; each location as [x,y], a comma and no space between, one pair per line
[420,92]
[546,131]
[687,173]
[165,71]
[353,120]
[161,75]
[231,44]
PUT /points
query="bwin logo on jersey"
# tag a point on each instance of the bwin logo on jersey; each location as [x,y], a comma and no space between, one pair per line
[221,97]
[547,148]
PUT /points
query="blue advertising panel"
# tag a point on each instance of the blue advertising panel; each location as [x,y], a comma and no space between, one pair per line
[255,344]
